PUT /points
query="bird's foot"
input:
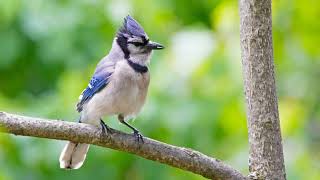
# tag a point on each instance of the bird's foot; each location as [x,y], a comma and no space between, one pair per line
[138,136]
[136,133]
[105,128]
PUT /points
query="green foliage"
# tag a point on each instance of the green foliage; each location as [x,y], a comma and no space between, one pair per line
[49,49]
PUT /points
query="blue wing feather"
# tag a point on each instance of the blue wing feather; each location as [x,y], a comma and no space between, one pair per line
[96,84]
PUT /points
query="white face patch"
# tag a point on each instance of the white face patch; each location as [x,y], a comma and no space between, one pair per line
[134,39]
[133,49]
[136,45]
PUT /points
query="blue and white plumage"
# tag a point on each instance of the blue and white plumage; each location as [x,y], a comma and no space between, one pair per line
[118,86]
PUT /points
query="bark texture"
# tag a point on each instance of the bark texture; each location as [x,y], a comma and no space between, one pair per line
[180,157]
[266,154]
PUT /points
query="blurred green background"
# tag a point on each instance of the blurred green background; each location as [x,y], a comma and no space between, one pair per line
[49,49]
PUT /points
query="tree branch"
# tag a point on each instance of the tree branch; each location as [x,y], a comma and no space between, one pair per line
[265,152]
[179,157]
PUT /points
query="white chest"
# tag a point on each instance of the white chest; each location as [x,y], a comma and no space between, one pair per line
[131,89]
[125,94]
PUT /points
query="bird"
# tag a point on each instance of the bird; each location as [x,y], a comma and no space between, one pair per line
[118,87]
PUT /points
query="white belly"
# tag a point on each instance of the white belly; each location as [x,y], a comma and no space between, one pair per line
[125,94]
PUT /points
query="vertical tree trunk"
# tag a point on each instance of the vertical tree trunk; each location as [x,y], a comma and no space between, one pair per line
[266,154]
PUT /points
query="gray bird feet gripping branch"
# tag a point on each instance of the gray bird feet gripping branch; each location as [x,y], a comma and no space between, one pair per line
[136,132]
[105,128]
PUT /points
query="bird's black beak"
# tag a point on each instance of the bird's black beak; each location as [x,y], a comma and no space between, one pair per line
[154,45]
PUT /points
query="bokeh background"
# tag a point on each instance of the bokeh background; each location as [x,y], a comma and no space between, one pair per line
[49,49]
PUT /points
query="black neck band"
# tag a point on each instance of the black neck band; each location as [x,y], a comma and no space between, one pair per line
[137,67]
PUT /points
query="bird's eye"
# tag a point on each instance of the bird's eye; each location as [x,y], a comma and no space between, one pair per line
[137,43]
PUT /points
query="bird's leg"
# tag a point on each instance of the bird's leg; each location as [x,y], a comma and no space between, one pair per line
[105,128]
[136,132]
[79,120]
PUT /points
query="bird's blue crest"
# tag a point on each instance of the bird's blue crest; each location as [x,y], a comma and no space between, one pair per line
[131,27]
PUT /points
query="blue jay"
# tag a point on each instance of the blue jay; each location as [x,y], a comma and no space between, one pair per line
[118,87]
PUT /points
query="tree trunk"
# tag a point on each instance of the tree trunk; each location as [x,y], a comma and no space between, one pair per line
[266,155]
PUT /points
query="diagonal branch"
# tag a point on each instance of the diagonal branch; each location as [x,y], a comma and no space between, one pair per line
[179,157]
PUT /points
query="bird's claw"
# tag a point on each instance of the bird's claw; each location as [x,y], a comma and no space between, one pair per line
[138,136]
[105,129]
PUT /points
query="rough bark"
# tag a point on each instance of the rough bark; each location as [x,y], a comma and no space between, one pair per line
[266,155]
[180,157]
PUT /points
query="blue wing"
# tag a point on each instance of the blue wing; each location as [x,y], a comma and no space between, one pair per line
[100,79]
[96,84]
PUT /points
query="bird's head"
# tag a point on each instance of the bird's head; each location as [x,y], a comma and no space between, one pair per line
[133,40]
